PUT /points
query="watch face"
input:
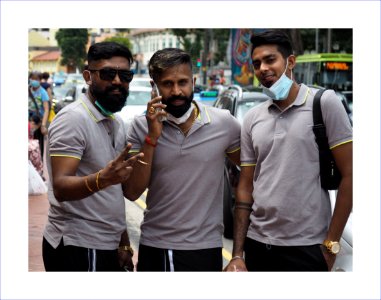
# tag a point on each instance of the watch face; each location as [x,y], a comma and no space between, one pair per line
[335,247]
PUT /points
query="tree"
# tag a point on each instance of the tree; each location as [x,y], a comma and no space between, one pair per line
[185,38]
[73,47]
[120,39]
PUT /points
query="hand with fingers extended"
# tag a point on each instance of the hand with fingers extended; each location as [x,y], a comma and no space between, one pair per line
[118,170]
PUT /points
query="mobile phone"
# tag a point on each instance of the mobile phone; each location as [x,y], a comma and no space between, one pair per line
[156,93]
[155,90]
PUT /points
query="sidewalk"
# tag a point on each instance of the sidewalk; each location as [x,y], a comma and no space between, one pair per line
[38,213]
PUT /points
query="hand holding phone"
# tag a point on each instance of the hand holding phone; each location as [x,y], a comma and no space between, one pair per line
[156,93]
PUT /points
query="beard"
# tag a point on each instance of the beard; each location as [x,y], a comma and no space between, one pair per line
[178,110]
[109,101]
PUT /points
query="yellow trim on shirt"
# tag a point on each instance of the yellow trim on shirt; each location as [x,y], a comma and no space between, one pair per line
[341,144]
[63,155]
[234,150]
[305,97]
[248,165]
[89,112]
[207,114]
[134,151]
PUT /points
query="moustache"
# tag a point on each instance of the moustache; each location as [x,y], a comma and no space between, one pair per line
[171,99]
[120,89]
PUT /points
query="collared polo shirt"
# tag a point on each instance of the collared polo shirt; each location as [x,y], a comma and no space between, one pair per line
[80,131]
[290,208]
[185,197]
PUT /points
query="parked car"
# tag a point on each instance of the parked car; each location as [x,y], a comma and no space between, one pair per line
[59,78]
[136,103]
[239,101]
[140,82]
[68,94]
[75,78]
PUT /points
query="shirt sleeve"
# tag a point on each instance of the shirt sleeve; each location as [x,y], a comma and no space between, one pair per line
[235,134]
[336,120]
[44,95]
[136,133]
[67,135]
[248,157]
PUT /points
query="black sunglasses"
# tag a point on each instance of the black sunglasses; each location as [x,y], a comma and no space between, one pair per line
[109,74]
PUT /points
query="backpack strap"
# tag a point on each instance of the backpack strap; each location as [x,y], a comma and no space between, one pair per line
[319,127]
[316,109]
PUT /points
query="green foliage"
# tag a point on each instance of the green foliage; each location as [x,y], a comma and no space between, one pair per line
[193,48]
[219,36]
[73,46]
[120,39]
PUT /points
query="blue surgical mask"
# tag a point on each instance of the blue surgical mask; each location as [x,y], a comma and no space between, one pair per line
[281,88]
[34,83]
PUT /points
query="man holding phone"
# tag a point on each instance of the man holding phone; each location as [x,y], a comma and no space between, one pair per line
[183,167]
[86,228]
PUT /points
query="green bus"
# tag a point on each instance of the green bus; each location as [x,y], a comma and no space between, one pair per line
[328,70]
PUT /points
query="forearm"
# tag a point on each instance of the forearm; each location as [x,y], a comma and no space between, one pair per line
[342,210]
[46,114]
[241,224]
[71,188]
[124,239]
[141,174]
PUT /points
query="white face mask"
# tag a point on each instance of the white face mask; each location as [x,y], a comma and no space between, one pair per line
[281,88]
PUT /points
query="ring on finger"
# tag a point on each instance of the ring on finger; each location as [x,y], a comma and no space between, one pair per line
[151,110]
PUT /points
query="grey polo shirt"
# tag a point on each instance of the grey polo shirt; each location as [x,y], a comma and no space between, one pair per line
[82,132]
[184,201]
[290,207]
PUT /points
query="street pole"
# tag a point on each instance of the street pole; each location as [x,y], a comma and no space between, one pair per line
[317,40]
[329,40]
[205,53]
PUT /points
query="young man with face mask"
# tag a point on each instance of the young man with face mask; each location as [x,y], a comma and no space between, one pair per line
[86,228]
[183,169]
[283,216]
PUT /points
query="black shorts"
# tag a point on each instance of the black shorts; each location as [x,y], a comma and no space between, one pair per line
[166,260]
[72,258]
[264,257]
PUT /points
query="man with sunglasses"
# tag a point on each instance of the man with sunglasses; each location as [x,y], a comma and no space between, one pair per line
[183,165]
[86,228]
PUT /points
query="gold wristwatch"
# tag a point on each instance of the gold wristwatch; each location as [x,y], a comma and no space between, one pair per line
[127,248]
[333,247]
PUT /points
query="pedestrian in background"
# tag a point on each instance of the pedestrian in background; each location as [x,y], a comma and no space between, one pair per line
[47,86]
[38,106]
[183,169]
[86,228]
[282,214]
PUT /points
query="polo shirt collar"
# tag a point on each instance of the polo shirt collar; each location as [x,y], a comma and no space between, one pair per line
[94,113]
[203,114]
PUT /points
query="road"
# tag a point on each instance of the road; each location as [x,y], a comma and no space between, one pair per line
[134,217]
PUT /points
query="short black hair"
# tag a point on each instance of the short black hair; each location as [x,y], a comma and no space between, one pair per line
[107,50]
[272,37]
[167,58]
[45,75]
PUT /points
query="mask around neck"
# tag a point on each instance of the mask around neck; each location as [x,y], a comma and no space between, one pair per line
[181,119]
[281,88]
